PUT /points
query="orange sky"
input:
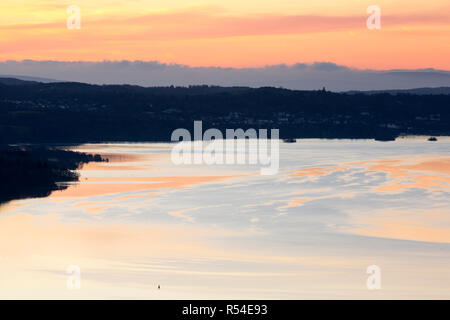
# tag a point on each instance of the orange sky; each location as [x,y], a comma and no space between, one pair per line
[232,33]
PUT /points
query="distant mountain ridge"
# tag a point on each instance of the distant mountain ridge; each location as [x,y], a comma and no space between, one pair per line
[15,79]
[418,91]
[25,80]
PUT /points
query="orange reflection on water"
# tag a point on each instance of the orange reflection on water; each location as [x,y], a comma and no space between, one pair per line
[111,185]
[430,173]
[427,225]
[415,172]
[318,171]
[420,172]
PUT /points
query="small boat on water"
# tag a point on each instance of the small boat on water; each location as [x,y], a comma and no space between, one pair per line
[432,139]
[289,140]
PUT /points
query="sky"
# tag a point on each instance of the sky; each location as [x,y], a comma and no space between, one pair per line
[230,33]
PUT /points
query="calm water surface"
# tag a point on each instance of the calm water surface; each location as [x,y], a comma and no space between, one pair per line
[335,208]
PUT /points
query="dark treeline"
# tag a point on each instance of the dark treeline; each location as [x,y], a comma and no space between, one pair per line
[76,112]
[29,172]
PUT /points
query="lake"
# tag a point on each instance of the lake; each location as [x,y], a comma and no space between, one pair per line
[202,231]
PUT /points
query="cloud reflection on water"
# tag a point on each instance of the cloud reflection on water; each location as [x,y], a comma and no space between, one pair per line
[309,232]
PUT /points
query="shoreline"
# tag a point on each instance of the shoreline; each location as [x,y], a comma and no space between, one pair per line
[36,171]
